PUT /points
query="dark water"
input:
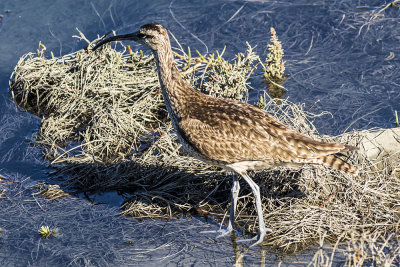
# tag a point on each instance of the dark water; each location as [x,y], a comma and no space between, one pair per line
[336,54]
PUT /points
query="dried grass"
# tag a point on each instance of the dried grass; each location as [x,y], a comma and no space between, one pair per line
[49,191]
[365,249]
[104,127]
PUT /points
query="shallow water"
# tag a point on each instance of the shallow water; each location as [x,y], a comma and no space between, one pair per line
[336,54]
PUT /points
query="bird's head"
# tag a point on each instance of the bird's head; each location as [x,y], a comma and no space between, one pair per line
[153,35]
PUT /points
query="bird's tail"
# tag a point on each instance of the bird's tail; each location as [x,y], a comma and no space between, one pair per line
[334,162]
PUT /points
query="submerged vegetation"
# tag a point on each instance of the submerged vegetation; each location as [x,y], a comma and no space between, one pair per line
[104,127]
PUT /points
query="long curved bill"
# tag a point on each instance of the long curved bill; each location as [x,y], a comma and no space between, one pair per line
[130,36]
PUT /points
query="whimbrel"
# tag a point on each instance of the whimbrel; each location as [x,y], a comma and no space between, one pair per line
[227,133]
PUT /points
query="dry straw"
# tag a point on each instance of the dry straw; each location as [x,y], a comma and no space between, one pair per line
[104,127]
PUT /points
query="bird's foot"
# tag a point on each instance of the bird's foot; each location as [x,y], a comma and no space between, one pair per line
[251,240]
[259,238]
[220,233]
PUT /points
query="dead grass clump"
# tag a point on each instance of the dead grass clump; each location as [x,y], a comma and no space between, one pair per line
[78,101]
[365,249]
[49,191]
[104,127]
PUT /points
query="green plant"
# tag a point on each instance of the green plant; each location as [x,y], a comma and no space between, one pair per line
[45,232]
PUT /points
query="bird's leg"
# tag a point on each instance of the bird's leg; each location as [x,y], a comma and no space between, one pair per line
[235,194]
[261,226]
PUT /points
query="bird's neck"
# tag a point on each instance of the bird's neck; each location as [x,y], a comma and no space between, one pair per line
[175,90]
[166,68]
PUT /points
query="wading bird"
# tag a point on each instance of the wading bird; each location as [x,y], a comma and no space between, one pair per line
[227,133]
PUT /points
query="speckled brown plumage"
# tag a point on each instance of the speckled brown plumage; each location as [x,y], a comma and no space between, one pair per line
[228,133]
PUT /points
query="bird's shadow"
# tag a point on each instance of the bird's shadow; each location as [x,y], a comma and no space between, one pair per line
[160,191]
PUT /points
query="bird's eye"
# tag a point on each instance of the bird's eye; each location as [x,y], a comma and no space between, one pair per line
[141,35]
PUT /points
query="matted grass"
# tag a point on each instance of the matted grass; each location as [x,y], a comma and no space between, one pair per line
[104,127]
